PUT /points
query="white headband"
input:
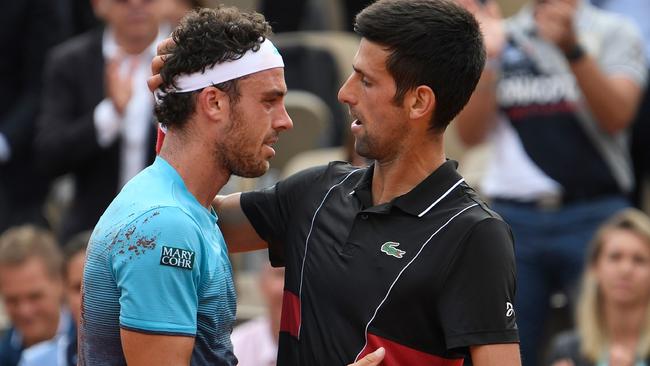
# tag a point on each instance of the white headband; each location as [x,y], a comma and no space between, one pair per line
[266,57]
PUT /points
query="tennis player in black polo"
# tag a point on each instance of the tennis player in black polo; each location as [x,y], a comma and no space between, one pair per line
[402,254]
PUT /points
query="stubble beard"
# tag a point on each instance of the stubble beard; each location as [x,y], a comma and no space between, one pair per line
[237,154]
[376,147]
[364,145]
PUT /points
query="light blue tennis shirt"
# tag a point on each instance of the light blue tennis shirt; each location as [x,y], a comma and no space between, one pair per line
[157,263]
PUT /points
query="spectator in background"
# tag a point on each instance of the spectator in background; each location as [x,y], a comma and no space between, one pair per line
[62,350]
[351,9]
[256,342]
[174,10]
[32,290]
[284,16]
[560,88]
[27,30]
[294,15]
[614,305]
[74,255]
[637,11]
[77,15]
[96,122]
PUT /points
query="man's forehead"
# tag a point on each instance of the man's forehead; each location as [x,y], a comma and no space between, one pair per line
[370,57]
[271,75]
[271,79]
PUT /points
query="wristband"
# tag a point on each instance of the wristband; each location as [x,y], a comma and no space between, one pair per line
[576,53]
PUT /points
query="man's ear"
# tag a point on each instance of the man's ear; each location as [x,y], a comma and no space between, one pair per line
[420,103]
[213,104]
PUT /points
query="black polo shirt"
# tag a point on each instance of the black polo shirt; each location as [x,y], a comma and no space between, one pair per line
[424,276]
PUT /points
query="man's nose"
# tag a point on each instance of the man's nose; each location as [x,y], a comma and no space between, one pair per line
[283,122]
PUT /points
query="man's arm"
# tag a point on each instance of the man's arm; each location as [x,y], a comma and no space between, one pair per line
[479,116]
[506,354]
[65,134]
[237,230]
[149,349]
[162,50]
[612,98]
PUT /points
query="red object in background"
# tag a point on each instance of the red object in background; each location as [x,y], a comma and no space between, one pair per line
[159,140]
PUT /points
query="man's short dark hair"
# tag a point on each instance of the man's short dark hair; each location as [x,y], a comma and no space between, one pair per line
[432,42]
[204,38]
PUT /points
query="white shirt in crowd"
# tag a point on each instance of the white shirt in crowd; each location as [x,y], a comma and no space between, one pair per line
[134,125]
[253,343]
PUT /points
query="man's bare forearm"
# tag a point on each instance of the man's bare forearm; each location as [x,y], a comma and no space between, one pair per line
[479,115]
[237,230]
[506,354]
[612,100]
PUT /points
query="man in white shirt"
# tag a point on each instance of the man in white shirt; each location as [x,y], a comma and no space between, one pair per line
[556,99]
[636,11]
[96,121]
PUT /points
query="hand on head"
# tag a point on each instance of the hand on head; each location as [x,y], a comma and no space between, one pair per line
[162,50]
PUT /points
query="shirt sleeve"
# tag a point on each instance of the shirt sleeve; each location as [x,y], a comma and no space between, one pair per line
[624,53]
[476,302]
[155,265]
[269,210]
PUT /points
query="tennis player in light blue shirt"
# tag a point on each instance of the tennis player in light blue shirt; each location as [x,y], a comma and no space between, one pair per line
[158,264]
[157,287]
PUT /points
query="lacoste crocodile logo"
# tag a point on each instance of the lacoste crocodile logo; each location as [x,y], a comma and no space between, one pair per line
[390,248]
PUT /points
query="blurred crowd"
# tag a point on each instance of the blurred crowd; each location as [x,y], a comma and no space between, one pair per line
[562,105]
